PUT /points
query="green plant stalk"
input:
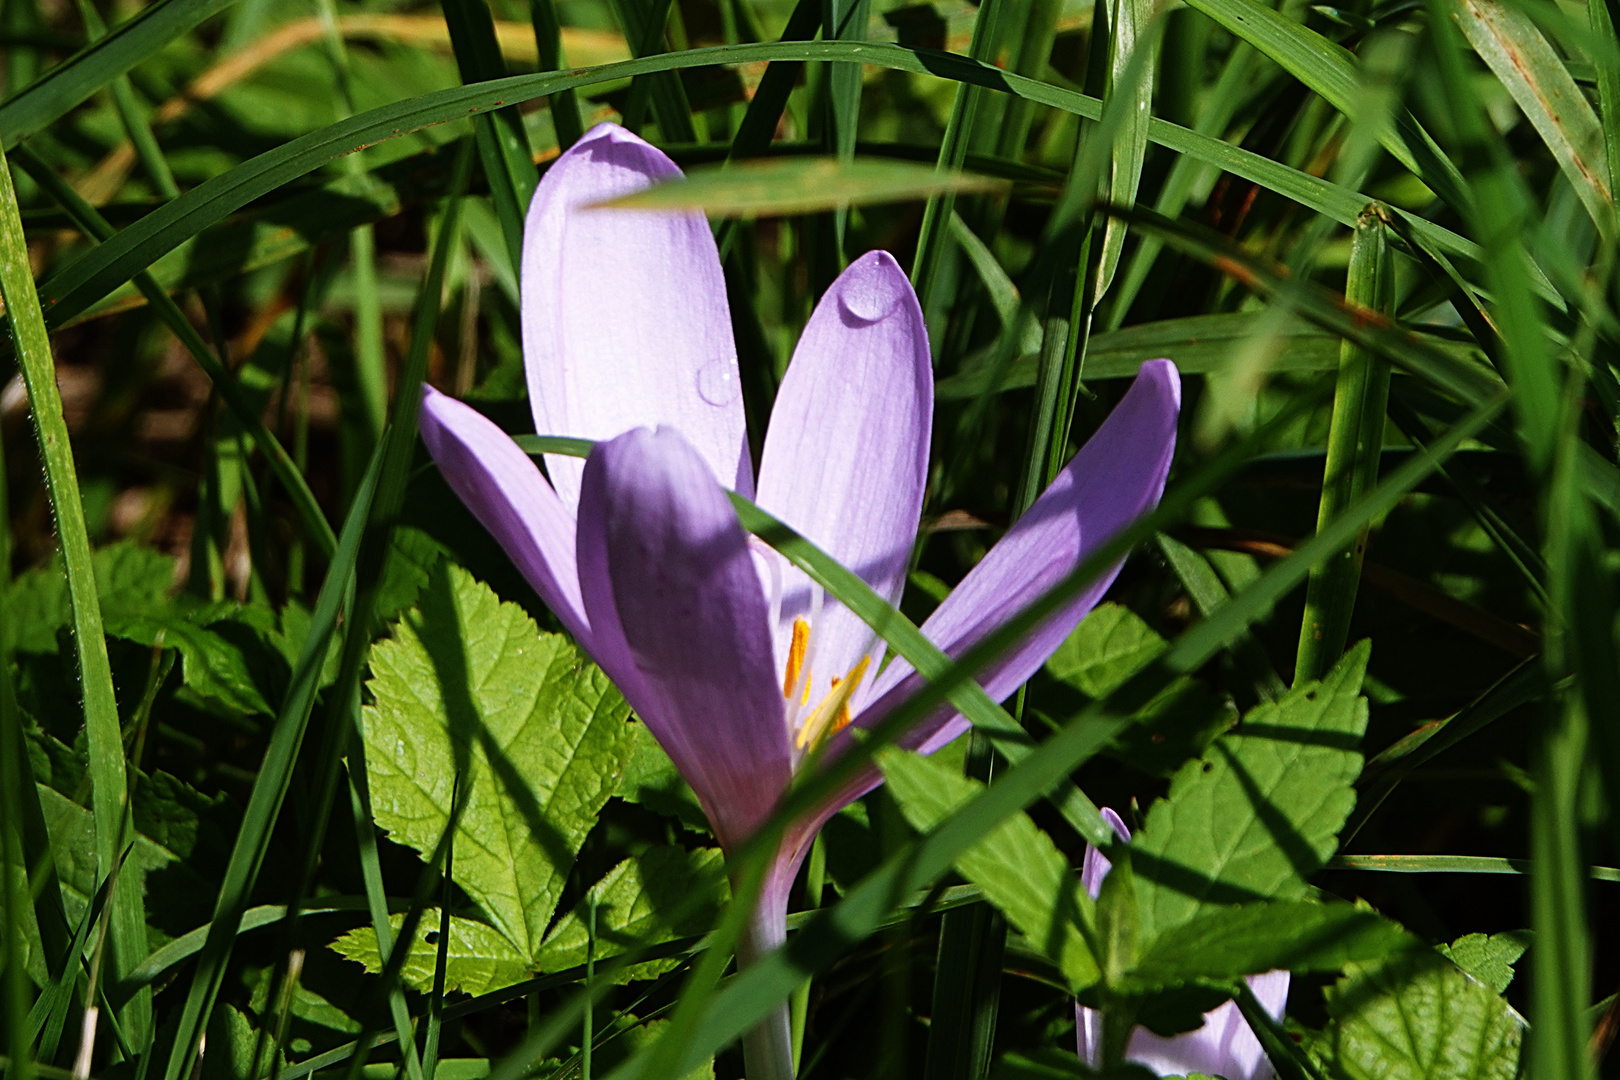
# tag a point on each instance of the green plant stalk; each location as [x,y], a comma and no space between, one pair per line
[932,237]
[503,144]
[311,520]
[967,976]
[1355,441]
[566,119]
[815,880]
[109,785]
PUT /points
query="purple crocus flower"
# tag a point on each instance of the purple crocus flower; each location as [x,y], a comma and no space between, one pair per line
[737,663]
[1224,1046]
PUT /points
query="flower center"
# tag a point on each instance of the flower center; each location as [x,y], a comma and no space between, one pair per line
[832,715]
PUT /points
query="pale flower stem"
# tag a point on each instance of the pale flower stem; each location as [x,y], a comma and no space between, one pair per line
[768,1048]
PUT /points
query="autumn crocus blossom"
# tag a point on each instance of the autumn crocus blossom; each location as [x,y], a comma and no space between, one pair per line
[737,663]
[1223,1046]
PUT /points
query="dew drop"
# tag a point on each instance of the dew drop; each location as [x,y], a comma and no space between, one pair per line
[718,382]
[872,291]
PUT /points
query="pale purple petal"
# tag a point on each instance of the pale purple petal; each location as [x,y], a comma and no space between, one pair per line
[846,457]
[1088,1035]
[503,488]
[1224,1046]
[1095,867]
[1115,478]
[625,320]
[665,569]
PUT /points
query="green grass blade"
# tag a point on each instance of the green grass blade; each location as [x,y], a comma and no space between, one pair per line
[99,272]
[109,788]
[503,145]
[566,118]
[270,786]
[1355,443]
[72,81]
[1518,55]
[312,520]
[1329,70]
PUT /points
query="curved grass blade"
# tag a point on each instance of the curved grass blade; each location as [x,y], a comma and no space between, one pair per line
[1330,71]
[109,782]
[72,81]
[1450,864]
[826,936]
[102,270]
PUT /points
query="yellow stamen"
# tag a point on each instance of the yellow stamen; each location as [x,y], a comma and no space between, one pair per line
[795,661]
[832,714]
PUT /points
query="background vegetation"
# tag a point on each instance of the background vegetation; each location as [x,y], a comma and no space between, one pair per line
[1378,240]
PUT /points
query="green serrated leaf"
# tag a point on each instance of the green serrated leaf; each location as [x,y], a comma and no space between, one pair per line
[1261,811]
[211,666]
[468,685]
[1017,866]
[1107,648]
[632,902]
[1488,957]
[1418,1017]
[1222,944]
[479,959]
[130,580]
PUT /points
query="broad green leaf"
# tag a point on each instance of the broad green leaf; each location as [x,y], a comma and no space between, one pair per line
[212,666]
[130,579]
[1261,811]
[468,686]
[1488,957]
[479,959]
[1418,1017]
[1016,865]
[632,903]
[800,185]
[1517,53]
[1109,646]
[1224,943]
[232,1042]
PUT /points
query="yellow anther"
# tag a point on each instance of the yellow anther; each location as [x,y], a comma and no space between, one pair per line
[795,661]
[832,715]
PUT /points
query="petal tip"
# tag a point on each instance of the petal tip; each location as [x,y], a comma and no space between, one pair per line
[872,287]
[1164,375]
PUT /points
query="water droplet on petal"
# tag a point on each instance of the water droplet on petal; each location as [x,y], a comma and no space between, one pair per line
[872,290]
[718,382]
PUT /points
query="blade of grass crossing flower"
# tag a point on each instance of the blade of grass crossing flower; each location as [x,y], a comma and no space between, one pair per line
[833,930]
[311,519]
[71,82]
[1355,442]
[1525,63]
[503,145]
[1287,1056]
[98,272]
[109,785]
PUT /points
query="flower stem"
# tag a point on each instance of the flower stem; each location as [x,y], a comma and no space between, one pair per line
[768,1048]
